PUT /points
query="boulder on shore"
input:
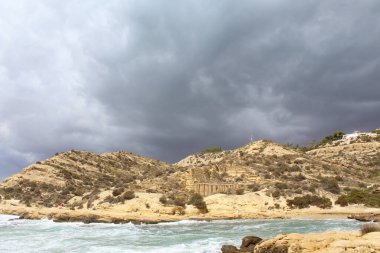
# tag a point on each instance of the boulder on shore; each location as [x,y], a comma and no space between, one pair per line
[365,217]
[248,243]
[328,242]
[229,249]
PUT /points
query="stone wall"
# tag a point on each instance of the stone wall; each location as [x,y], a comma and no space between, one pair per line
[206,189]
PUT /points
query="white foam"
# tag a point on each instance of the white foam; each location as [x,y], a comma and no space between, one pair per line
[6,217]
[181,223]
[189,236]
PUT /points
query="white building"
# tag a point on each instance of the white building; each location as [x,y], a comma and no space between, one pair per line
[357,134]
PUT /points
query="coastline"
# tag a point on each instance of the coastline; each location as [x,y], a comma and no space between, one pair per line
[109,216]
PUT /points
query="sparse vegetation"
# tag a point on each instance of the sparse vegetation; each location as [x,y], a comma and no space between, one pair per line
[197,201]
[277,171]
[254,187]
[212,150]
[163,200]
[117,191]
[330,184]
[337,135]
[362,196]
[240,191]
[128,195]
[309,200]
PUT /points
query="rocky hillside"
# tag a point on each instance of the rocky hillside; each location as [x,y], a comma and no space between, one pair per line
[346,171]
[86,175]
[284,171]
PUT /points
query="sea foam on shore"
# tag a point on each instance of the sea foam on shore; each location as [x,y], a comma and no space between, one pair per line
[182,236]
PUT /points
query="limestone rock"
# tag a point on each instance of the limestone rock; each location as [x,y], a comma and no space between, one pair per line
[329,242]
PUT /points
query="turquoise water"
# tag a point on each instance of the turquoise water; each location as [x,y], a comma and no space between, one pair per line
[183,236]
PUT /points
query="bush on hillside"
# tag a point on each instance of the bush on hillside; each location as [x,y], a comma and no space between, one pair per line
[197,201]
[163,200]
[179,202]
[173,199]
[254,187]
[117,191]
[362,196]
[212,150]
[337,135]
[239,191]
[330,184]
[309,200]
[281,186]
[128,195]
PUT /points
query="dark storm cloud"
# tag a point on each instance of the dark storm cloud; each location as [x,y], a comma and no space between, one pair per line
[167,78]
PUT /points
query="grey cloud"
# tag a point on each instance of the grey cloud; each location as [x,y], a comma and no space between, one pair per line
[166,79]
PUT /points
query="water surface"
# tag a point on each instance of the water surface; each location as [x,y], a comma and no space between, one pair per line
[181,237]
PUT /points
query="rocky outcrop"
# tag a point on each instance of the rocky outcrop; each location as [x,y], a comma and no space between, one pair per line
[365,217]
[248,244]
[328,242]
[229,249]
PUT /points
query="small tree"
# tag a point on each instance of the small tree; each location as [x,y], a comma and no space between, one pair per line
[197,200]
[163,200]
[337,135]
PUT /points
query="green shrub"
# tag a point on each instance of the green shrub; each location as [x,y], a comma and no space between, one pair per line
[276,194]
[362,196]
[127,195]
[330,184]
[337,135]
[309,200]
[179,202]
[117,191]
[240,191]
[212,150]
[281,186]
[197,201]
[254,187]
[163,200]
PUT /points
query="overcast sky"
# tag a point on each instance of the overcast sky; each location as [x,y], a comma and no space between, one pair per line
[168,78]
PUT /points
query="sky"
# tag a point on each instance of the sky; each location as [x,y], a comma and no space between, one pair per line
[166,79]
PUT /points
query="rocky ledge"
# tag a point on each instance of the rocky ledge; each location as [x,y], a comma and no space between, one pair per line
[328,242]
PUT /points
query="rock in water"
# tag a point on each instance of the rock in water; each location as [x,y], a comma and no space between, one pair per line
[229,249]
[365,217]
[248,243]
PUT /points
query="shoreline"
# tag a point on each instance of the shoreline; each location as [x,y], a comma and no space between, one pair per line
[101,216]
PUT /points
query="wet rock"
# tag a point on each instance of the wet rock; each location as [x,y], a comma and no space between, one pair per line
[61,218]
[229,249]
[89,219]
[365,217]
[67,218]
[248,243]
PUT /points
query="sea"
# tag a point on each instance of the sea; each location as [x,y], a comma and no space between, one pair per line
[183,236]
